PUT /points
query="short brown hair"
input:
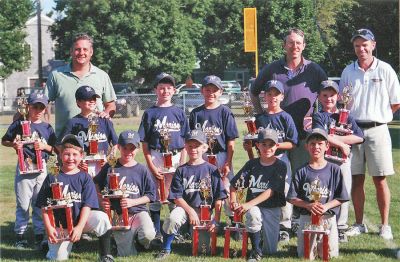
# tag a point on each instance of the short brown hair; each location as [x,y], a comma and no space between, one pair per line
[295,31]
[82,36]
[69,145]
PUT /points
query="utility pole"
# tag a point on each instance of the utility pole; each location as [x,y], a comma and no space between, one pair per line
[39,33]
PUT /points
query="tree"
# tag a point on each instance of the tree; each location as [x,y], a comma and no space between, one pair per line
[14,51]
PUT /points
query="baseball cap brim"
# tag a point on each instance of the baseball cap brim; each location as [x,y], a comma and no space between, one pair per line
[72,139]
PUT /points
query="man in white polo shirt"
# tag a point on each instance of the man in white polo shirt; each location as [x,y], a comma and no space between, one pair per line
[375,97]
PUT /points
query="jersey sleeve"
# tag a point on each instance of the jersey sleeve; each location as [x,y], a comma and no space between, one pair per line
[144,127]
[109,93]
[12,131]
[51,87]
[219,192]
[44,193]
[149,188]
[340,192]
[101,178]
[52,137]
[176,189]
[291,130]
[294,186]
[231,130]
[89,194]
[260,81]
[318,121]
[67,130]
[112,135]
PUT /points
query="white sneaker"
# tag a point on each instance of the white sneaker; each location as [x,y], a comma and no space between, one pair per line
[356,230]
[385,232]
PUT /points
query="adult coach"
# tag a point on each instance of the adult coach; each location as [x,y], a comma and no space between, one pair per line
[376,96]
[65,80]
[301,79]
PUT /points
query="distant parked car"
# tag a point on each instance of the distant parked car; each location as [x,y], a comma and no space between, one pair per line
[180,86]
[127,103]
[233,90]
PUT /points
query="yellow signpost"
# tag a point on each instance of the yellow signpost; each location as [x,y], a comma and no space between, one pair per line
[250,33]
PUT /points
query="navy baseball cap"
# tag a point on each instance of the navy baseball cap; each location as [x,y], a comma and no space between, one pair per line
[329,84]
[129,137]
[363,33]
[164,77]
[212,80]
[85,93]
[267,133]
[196,134]
[274,84]
[38,98]
[317,132]
[72,139]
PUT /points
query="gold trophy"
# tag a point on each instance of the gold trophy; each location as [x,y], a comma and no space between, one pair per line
[203,241]
[115,190]
[237,222]
[211,140]
[165,138]
[316,228]
[23,110]
[59,200]
[251,134]
[95,156]
[342,128]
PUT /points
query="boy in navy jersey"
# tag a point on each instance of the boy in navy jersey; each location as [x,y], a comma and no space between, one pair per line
[27,186]
[328,96]
[78,125]
[138,183]
[276,118]
[81,190]
[162,116]
[265,179]
[332,190]
[217,118]
[185,190]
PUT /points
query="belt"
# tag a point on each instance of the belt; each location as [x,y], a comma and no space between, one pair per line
[369,124]
[174,152]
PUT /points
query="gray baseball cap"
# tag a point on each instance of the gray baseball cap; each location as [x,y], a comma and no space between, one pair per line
[317,132]
[196,134]
[267,133]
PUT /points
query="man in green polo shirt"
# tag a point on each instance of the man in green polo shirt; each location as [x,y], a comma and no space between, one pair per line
[65,80]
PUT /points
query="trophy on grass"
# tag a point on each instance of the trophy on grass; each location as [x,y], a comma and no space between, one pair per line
[316,228]
[114,192]
[28,138]
[342,128]
[251,134]
[237,225]
[167,169]
[211,140]
[95,156]
[204,242]
[59,202]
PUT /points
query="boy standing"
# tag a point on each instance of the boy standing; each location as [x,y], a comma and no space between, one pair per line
[276,118]
[138,184]
[265,179]
[217,119]
[185,190]
[162,116]
[27,186]
[331,188]
[79,125]
[328,96]
[81,190]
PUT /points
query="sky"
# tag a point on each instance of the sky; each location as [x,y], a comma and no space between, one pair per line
[47,5]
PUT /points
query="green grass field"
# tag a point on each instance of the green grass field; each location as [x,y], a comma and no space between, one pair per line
[368,247]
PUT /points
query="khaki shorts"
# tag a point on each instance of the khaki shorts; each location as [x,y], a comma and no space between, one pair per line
[375,153]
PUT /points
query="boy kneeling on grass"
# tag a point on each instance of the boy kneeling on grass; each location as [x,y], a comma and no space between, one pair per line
[265,179]
[185,190]
[332,190]
[82,191]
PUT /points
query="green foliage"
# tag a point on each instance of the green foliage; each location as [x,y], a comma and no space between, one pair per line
[14,51]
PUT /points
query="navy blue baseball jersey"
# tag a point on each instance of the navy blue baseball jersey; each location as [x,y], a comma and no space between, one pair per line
[220,120]
[44,130]
[78,187]
[186,184]
[325,119]
[155,118]
[283,123]
[258,178]
[137,181]
[78,125]
[331,186]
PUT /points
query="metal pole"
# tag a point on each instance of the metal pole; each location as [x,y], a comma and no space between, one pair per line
[39,33]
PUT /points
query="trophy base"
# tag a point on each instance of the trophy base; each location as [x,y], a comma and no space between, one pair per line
[204,242]
[252,137]
[116,194]
[58,204]
[241,230]
[120,228]
[342,131]
[335,158]
[30,172]
[96,157]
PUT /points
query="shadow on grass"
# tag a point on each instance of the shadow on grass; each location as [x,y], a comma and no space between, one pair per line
[384,252]
[395,135]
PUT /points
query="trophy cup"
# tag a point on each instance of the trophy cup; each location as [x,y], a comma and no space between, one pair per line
[251,134]
[165,138]
[115,191]
[316,228]
[28,138]
[211,140]
[95,156]
[237,222]
[201,236]
[59,200]
[341,128]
